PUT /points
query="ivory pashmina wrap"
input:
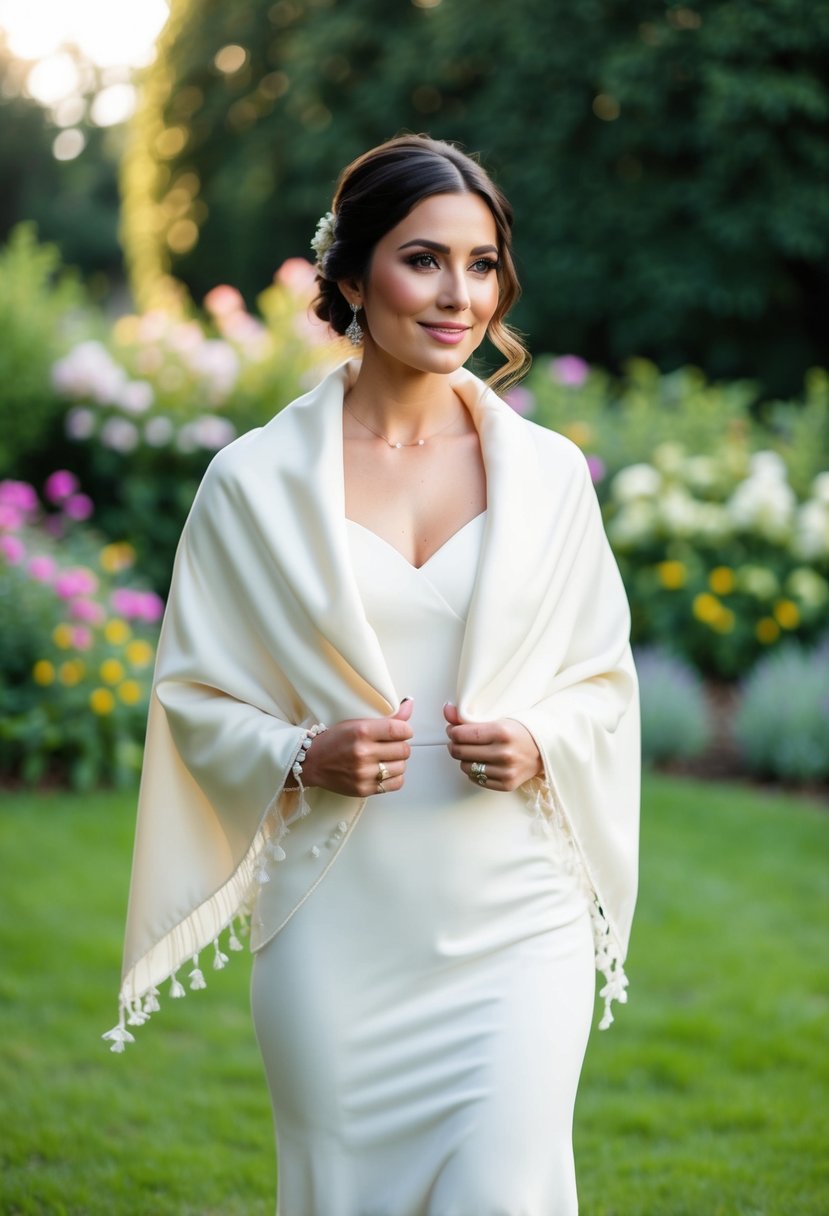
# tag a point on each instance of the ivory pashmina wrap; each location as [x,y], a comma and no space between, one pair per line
[265,634]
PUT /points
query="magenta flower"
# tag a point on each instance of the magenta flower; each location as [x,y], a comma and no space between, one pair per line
[569,370]
[10,518]
[520,399]
[77,581]
[59,485]
[597,468]
[78,506]
[42,568]
[13,549]
[18,495]
[88,611]
[137,605]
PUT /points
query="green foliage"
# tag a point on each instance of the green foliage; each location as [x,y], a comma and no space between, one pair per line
[37,304]
[667,162]
[782,724]
[675,716]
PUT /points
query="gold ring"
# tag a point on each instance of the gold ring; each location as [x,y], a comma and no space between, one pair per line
[381,789]
[383,773]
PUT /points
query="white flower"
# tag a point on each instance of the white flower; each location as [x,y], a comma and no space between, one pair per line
[634,524]
[135,397]
[764,504]
[324,237]
[811,531]
[636,481]
[820,488]
[669,457]
[216,362]
[80,423]
[808,586]
[89,371]
[158,431]
[767,465]
[701,472]
[120,435]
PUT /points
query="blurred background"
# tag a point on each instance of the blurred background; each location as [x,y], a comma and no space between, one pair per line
[163,170]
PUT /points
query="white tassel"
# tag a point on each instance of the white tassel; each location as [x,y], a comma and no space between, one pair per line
[151,1004]
[220,960]
[233,941]
[197,980]
[176,988]
[119,1036]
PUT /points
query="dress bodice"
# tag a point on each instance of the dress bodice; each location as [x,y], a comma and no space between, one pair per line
[419,616]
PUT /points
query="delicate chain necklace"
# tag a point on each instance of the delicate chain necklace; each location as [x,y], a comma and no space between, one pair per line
[413,443]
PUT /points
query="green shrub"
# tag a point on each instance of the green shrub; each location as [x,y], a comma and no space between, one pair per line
[38,304]
[782,722]
[675,716]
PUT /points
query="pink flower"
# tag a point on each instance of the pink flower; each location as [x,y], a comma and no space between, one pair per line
[137,605]
[13,549]
[59,485]
[89,611]
[80,423]
[10,518]
[78,506]
[77,581]
[569,370]
[82,637]
[42,568]
[597,468]
[520,399]
[18,494]
[223,300]
[297,274]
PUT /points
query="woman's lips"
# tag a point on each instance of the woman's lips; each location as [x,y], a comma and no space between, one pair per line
[450,335]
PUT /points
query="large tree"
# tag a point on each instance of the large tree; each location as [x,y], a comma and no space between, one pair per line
[668,162]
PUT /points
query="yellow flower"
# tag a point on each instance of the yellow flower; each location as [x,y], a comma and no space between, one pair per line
[787,614]
[130,692]
[101,701]
[62,636]
[579,433]
[43,672]
[139,653]
[71,672]
[126,330]
[706,608]
[116,557]
[112,672]
[721,580]
[117,632]
[767,630]
[672,574]
[724,621]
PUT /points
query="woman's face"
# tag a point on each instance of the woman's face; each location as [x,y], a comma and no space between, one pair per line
[432,285]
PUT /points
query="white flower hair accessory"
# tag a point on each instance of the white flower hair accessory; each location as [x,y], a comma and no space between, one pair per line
[324,237]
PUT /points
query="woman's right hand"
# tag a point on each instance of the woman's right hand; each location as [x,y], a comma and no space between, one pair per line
[346,758]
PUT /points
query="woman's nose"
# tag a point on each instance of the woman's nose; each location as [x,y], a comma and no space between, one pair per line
[454,291]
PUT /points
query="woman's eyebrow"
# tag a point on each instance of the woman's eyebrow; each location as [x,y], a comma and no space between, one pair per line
[445,248]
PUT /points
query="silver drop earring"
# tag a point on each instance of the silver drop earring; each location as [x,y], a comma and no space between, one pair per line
[354,331]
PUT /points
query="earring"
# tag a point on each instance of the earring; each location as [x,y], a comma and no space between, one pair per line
[354,331]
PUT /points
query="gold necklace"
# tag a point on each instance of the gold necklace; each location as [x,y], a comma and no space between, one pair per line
[413,443]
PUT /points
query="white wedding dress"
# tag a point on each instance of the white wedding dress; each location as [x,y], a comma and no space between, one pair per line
[423,1016]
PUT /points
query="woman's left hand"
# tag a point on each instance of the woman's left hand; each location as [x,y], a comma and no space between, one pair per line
[504,747]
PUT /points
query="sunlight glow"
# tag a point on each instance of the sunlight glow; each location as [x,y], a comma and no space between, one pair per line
[109,32]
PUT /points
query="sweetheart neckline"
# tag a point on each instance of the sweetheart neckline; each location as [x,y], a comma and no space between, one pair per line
[432,556]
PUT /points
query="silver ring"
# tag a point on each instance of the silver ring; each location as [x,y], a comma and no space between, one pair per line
[383,773]
[478,771]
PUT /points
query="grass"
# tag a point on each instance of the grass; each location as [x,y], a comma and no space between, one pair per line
[709,1097]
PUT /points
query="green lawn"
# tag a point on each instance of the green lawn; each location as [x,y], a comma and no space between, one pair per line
[708,1097]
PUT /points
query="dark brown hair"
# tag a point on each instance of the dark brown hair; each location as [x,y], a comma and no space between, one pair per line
[376,191]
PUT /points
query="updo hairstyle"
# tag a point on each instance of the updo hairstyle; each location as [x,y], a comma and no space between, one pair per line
[376,191]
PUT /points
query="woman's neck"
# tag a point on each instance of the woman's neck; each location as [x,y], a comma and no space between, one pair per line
[403,404]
